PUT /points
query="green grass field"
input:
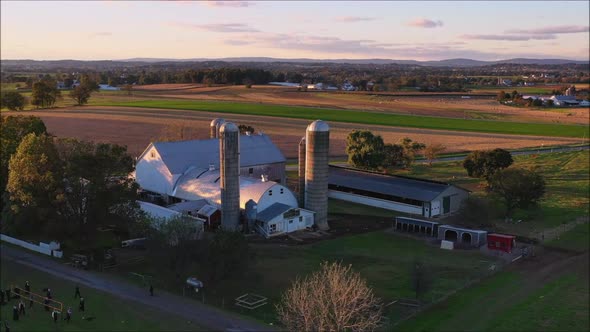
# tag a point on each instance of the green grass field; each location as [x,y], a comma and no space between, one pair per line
[361,117]
[566,197]
[111,313]
[576,239]
[499,304]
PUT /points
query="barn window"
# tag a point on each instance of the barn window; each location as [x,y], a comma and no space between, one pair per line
[281,191]
[153,154]
[250,170]
[290,221]
[270,193]
[273,228]
[300,219]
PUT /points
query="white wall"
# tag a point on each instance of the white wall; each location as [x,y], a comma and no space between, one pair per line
[375,202]
[152,174]
[43,248]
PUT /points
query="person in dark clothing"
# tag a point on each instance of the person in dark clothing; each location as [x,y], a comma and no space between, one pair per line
[30,301]
[46,302]
[48,293]
[82,304]
[17,292]
[27,286]
[54,316]
[14,313]
[77,292]
[8,296]
[151,290]
[6,327]
[68,315]
[21,308]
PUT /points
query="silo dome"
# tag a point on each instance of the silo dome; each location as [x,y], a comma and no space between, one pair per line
[215,122]
[318,125]
[228,127]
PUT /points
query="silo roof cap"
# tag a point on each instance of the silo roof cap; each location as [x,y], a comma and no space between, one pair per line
[318,125]
[228,127]
[217,121]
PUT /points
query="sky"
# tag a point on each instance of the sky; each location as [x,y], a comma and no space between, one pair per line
[417,30]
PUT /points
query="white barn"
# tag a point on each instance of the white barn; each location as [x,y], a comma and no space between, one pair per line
[162,215]
[162,164]
[188,173]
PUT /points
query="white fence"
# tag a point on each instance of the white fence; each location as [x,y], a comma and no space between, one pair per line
[49,249]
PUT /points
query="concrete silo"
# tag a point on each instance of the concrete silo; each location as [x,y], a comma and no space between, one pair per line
[317,142]
[229,161]
[301,182]
[214,127]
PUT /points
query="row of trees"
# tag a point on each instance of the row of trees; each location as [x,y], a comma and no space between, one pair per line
[45,94]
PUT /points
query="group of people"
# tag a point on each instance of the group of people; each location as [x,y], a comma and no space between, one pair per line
[19,310]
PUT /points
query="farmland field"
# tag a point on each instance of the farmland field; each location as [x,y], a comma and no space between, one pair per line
[137,127]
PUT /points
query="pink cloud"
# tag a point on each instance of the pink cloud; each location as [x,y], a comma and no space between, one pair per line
[425,23]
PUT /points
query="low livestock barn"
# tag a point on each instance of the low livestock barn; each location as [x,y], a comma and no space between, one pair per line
[397,193]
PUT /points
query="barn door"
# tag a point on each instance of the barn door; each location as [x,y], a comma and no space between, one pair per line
[446,204]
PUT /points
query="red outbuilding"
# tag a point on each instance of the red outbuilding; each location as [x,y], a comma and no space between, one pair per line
[501,242]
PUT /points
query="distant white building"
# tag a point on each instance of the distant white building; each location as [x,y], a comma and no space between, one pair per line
[107,87]
[347,86]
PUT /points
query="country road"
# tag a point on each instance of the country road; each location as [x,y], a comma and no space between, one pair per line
[206,316]
[456,158]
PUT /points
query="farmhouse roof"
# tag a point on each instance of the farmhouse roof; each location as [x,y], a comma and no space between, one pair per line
[417,189]
[272,211]
[254,150]
[564,98]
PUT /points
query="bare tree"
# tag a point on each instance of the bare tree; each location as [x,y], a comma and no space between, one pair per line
[335,298]
[432,151]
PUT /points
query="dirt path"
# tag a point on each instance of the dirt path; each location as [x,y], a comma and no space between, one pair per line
[137,127]
[203,315]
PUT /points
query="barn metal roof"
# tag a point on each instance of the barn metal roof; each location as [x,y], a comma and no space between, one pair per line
[199,184]
[420,190]
[254,150]
[272,211]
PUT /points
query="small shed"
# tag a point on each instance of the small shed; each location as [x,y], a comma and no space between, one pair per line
[405,224]
[501,242]
[464,236]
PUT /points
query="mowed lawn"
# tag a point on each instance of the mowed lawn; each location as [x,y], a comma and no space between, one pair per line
[351,116]
[111,313]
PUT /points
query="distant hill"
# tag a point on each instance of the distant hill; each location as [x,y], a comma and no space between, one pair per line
[262,60]
[436,63]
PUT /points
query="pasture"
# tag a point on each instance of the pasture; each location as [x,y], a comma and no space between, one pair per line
[383,258]
[565,200]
